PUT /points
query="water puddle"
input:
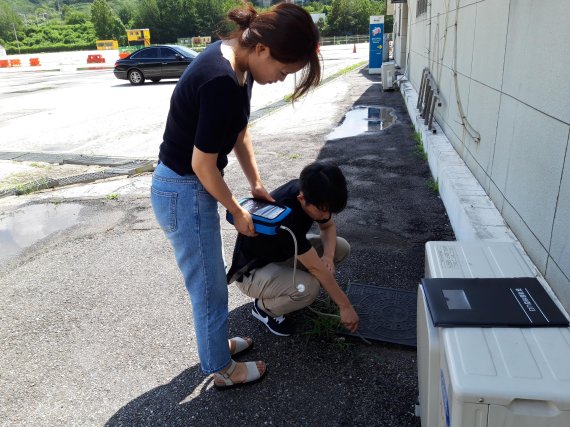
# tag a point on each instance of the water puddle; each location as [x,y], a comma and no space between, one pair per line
[30,224]
[365,118]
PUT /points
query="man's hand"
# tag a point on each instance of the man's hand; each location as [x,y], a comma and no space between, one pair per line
[349,318]
[259,192]
[329,263]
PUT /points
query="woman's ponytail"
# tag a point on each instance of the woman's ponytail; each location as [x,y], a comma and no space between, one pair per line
[243,17]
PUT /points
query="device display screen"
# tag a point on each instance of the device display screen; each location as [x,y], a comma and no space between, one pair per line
[262,209]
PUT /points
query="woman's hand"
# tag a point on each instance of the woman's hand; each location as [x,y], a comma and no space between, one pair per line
[243,222]
[349,318]
[259,192]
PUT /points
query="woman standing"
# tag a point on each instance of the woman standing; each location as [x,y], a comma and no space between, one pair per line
[208,117]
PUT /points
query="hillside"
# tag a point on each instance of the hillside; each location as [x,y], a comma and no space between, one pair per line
[52,8]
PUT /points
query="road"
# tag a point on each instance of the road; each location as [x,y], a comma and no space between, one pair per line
[91,112]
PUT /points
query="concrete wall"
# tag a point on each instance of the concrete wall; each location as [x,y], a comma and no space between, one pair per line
[401,35]
[505,63]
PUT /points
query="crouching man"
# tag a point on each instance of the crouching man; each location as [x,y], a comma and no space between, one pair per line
[262,266]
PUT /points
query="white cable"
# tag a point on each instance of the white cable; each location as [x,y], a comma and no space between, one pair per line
[295,286]
[294,256]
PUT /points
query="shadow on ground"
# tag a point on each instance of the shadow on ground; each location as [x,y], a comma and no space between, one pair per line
[301,387]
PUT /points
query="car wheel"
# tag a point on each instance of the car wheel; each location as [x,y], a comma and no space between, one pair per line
[136,77]
[155,80]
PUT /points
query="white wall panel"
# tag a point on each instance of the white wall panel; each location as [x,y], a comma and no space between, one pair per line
[489,43]
[560,247]
[465,37]
[559,283]
[529,155]
[483,114]
[533,247]
[538,56]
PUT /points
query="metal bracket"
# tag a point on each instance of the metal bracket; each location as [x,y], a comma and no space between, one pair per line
[428,99]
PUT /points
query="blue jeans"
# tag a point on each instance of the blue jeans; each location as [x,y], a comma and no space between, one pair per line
[189,217]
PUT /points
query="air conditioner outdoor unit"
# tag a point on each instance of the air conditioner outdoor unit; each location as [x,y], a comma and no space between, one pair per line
[388,75]
[489,377]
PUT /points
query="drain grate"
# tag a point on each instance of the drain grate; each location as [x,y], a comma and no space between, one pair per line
[385,314]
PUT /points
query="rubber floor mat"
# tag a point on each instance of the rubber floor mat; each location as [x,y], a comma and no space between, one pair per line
[385,314]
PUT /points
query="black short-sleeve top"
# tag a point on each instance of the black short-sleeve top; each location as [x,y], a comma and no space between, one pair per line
[258,251]
[208,110]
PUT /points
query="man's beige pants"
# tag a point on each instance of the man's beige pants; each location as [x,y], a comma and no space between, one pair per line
[273,284]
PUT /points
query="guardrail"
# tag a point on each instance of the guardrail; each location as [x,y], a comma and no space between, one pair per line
[344,40]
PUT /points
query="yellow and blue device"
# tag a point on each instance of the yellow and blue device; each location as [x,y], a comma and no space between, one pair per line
[267,217]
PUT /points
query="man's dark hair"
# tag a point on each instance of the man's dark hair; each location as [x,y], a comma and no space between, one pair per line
[324,186]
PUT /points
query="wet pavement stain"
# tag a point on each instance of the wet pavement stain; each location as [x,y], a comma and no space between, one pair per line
[30,224]
[364,118]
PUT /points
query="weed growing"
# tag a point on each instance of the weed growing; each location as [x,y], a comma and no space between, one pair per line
[419,149]
[321,322]
[31,186]
[346,70]
[433,184]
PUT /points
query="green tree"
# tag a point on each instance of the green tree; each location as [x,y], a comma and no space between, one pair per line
[163,21]
[106,22]
[8,21]
[188,19]
[127,12]
[348,17]
[340,20]
[72,16]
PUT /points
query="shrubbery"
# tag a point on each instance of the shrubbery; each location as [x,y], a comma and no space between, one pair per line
[53,38]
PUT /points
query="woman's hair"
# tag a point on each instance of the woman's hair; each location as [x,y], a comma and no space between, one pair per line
[324,186]
[288,31]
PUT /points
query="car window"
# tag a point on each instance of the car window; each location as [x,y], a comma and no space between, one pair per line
[151,52]
[167,53]
[188,52]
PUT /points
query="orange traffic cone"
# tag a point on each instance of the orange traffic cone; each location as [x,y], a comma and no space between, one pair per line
[354,48]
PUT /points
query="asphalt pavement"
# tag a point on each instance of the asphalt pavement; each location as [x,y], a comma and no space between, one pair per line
[95,323]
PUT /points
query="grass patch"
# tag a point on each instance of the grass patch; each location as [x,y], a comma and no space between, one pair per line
[322,322]
[39,165]
[112,196]
[31,186]
[345,70]
[419,148]
[417,137]
[433,185]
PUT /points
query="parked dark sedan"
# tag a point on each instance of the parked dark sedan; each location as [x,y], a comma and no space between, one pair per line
[154,63]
